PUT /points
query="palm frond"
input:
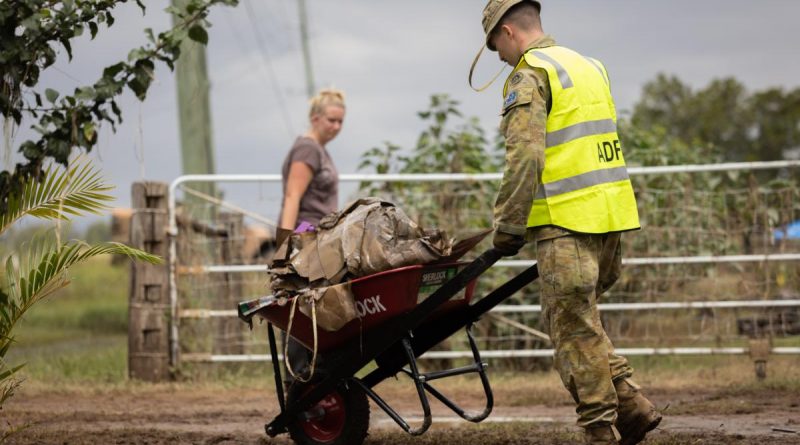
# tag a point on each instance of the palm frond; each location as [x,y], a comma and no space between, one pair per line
[75,191]
[7,372]
[7,387]
[43,270]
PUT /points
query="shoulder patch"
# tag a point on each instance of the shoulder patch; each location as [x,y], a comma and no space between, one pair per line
[510,99]
[517,97]
[516,79]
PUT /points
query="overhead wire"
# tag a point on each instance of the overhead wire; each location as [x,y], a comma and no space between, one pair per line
[265,55]
[286,23]
[66,74]
[236,34]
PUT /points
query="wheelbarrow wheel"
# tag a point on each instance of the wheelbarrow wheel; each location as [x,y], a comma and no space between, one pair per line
[341,418]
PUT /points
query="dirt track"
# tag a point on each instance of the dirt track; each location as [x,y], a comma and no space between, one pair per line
[168,415]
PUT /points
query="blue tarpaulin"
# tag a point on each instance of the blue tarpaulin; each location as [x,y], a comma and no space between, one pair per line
[790,231]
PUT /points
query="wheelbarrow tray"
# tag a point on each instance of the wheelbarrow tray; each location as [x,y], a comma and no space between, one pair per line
[378,298]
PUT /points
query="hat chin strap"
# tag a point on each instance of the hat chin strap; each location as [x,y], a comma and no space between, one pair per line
[472,70]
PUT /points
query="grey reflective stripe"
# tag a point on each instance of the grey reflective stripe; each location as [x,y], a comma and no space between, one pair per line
[593,62]
[582,181]
[566,82]
[539,192]
[580,130]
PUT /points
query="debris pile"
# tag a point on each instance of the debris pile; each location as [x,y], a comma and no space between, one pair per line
[368,236]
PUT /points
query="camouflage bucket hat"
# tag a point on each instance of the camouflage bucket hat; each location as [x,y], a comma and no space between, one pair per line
[494,11]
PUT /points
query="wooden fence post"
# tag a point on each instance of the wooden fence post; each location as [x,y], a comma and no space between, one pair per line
[148,303]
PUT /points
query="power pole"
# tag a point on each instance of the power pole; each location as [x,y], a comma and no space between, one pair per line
[310,88]
[197,150]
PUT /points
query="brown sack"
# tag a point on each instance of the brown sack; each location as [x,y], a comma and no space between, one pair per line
[335,306]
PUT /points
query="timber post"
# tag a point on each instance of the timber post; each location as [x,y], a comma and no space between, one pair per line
[149,301]
[760,349]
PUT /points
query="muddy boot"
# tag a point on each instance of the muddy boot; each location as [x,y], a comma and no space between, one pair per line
[602,435]
[636,416]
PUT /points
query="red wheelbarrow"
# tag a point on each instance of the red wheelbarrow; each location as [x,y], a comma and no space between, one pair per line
[402,314]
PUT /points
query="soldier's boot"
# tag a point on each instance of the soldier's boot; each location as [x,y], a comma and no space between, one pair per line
[603,435]
[636,416]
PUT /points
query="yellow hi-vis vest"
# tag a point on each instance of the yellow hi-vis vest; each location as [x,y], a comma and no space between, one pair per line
[585,185]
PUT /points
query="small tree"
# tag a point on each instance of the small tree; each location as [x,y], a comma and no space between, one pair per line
[30,33]
[745,126]
[40,268]
[441,148]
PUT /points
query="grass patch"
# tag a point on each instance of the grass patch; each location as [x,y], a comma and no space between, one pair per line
[89,360]
[96,300]
[714,372]
[79,334]
[229,375]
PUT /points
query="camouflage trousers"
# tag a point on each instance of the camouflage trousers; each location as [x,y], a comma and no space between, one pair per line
[575,270]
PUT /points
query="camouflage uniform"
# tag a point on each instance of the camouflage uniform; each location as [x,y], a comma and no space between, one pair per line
[574,268]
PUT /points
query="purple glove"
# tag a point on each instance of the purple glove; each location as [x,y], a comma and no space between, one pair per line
[304,227]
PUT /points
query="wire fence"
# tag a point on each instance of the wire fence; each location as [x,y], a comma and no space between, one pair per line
[714,266]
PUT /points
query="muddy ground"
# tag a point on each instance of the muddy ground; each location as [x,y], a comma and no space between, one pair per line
[180,414]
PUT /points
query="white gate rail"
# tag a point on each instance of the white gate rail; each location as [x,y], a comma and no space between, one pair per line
[529,353]
[604,307]
[522,264]
[173,232]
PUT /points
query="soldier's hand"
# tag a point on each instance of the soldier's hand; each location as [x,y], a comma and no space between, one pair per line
[508,244]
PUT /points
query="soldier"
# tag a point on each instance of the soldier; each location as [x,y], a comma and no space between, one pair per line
[566,188]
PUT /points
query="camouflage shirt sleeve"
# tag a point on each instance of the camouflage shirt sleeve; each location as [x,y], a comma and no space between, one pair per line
[523,126]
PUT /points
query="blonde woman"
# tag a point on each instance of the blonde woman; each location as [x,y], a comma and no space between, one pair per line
[310,179]
[311,186]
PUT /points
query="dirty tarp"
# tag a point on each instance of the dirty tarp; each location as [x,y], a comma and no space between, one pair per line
[368,236]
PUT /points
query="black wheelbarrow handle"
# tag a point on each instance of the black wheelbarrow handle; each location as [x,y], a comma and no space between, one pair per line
[345,362]
[431,334]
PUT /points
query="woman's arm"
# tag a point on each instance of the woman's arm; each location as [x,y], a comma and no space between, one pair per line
[300,176]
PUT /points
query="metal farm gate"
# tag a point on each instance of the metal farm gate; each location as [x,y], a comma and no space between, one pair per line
[711,272]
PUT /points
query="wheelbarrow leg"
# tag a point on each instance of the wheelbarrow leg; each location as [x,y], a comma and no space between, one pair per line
[419,382]
[276,367]
[478,367]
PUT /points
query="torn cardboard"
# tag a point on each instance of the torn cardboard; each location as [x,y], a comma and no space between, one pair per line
[366,237]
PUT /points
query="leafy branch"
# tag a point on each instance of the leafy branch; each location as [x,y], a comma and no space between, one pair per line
[30,29]
[441,147]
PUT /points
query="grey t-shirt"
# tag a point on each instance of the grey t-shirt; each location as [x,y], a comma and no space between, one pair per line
[322,195]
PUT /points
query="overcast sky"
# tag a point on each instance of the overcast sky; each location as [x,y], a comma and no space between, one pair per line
[389,57]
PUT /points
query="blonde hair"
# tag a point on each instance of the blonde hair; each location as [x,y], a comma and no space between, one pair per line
[325,97]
